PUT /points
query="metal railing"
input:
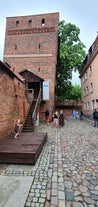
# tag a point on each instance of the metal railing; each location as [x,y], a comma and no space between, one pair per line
[35,112]
[36,109]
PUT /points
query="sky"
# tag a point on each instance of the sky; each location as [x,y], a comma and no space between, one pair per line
[82,13]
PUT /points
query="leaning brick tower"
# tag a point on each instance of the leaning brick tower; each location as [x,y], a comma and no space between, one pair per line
[31,42]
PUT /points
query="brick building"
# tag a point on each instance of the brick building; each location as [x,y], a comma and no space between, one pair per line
[31,44]
[89,80]
[13,100]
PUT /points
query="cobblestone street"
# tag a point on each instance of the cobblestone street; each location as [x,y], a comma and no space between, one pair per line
[65,175]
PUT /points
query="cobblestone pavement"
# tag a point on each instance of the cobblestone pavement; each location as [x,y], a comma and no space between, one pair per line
[66,173]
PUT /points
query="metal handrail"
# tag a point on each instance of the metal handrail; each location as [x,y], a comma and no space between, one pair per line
[34,115]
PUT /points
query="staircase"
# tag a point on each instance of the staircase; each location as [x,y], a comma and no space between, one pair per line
[30,119]
[28,124]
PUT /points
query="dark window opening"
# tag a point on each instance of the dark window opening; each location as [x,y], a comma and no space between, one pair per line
[39,69]
[30,22]
[18,85]
[17,23]
[14,88]
[39,46]
[15,47]
[43,22]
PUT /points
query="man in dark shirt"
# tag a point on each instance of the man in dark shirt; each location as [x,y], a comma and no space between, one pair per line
[95,118]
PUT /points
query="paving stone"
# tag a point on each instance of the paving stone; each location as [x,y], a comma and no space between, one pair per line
[66,172]
[78,198]
[54,200]
[83,188]
[89,200]
[54,185]
[77,204]
[61,203]
[69,196]
[68,204]
[41,200]
[54,192]
[61,195]
[32,205]
[48,195]
[68,184]
[94,197]
[95,192]
[61,186]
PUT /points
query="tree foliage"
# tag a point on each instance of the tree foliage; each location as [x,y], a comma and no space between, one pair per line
[71,57]
[75,93]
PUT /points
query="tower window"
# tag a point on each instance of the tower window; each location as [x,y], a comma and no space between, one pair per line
[18,85]
[17,23]
[39,46]
[30,22]
[90,71]
[43,22]
[15,47]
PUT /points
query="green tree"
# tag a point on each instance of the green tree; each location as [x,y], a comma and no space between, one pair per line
[75,93]
[71,57]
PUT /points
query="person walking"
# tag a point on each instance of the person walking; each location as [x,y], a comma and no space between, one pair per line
[61,119]
[81,115]
[95,118]
[74,114]
[55,119]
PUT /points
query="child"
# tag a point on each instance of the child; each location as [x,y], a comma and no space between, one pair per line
[55,120]
[16,129]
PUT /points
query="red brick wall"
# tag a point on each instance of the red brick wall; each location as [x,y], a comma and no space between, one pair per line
[6,105]
[11,107]
[68,106]
[34,47]
[20,101]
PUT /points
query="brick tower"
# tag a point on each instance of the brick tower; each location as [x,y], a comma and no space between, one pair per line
[31,42]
